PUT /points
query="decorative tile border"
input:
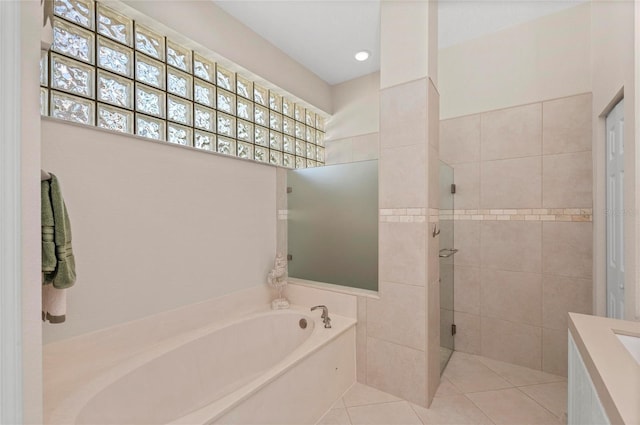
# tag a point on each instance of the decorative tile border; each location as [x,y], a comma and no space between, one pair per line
[402,215]
[283,214]
[522,214]
[409,215]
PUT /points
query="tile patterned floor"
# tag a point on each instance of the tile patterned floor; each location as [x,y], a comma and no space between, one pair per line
[474,390]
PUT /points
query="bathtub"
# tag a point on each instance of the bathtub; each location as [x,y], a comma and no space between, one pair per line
[264,368]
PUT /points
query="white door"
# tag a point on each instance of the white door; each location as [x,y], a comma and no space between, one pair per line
[615,211]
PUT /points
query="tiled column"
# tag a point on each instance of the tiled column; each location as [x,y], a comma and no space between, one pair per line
[403,335]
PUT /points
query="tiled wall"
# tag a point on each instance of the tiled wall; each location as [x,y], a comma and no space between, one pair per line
[351,149]
[523,228]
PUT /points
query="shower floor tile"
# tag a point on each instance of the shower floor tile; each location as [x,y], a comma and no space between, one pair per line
[510,395]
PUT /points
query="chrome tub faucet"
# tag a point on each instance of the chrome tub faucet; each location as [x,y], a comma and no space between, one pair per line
[325,315]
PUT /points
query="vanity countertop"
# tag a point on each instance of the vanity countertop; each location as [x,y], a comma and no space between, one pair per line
[615,373]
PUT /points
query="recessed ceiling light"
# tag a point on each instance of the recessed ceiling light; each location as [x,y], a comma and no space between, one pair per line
[362,56]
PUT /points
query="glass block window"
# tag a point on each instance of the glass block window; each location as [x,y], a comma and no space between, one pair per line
[106,70]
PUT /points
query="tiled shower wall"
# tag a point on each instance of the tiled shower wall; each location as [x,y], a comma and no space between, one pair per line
[523,228]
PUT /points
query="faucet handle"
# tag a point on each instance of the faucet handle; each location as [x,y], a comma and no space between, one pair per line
[327,322]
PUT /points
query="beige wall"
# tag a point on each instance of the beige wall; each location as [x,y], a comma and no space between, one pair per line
[210,26]
[523,228]
[352,131]
[30,198]
[156,226]
[356,107]
[542,59]
[612,45]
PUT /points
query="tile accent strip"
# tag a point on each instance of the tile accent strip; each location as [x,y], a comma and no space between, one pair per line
[403,215]
[522,214]
[283,214]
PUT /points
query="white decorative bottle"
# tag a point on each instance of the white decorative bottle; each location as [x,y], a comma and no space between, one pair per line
[276,279]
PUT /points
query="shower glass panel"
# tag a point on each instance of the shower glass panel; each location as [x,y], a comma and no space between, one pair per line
[333,224]
[447,252]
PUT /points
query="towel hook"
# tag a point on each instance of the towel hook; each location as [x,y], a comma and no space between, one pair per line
[436,231]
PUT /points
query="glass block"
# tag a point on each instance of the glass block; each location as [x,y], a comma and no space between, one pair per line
[115,90]
[275,140]
[301,162]
[115,119]
[114,25]
[226,101]
[179,83]
[275,121]
[301,148]
[245,150]
[149,42]
[115,57]
[311,151]
[319,138]
[275,157]
[226,125]
[226,146]
[152,128]
[150,71]
[319,122]
[225,78]
[320,153]
[204,93]
[275,101]
[300,130]
[245,131]
[77,11]
[203,68]
[179,110]
[150,101]
[260,95]
[288,144]
[72,76]
[44,101]
[179,134]
[287,107]
[206,141]
[72,108]
[262,136]
[261,115]
[245,109]
[310,135]
[288,126]
[288,160]
[204,118]
[311,119]
[244,87]
[72,41]
[178,56]
[299,114]
[44,68]
[311,163]
[261,154]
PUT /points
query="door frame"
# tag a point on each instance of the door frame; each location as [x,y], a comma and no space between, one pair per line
[11,382]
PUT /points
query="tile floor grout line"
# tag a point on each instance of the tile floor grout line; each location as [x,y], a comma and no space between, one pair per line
[377,402]
[542,383]
[416,413]
[479,408]
[536,401]
[346,409]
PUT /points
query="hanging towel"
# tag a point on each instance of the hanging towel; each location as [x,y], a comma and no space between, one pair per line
[54,304]
[58,263]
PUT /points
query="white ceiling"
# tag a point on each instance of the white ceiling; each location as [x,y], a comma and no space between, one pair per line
[324,35]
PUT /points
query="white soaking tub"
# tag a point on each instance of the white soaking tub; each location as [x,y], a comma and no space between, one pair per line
[263,368]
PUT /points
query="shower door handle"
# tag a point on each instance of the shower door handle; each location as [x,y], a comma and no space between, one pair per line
[447,252]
